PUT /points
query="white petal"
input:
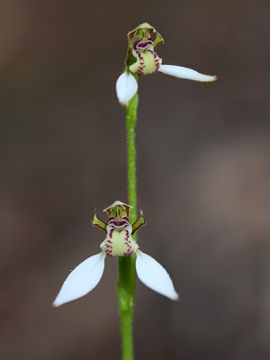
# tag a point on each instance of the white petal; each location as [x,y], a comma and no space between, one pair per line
[81,280]
[185,73]
[153,275]
[126,88]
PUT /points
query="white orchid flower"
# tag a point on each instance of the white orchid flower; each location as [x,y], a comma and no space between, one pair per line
[142,59]
[118,242]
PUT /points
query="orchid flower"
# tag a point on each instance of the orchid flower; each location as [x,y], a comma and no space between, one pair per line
[142,59]
[118,242]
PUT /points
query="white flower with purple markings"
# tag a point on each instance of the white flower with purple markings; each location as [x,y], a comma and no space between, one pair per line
[142,60]
[118,242]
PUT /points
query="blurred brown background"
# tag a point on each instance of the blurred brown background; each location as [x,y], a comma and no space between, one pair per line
[203,177]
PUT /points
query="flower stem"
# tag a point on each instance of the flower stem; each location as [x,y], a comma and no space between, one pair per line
[127,273]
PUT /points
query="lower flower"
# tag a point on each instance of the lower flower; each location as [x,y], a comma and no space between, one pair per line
[118,242]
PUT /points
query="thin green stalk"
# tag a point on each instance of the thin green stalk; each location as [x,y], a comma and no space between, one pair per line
[131,119]
[127,273]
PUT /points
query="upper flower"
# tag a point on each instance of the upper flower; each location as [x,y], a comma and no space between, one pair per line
[142,59]
[118,242]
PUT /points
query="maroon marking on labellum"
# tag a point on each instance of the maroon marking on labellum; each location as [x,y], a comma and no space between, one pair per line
[128,253]
[119,223]
[111,232]
[157,63]
[143,45]
[128,244]
[108,249]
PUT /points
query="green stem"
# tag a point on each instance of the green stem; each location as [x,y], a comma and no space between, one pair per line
[127,273]
[131,119]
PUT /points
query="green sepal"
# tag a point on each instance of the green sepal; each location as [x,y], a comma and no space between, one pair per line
[99,223]
[138,223]
[158,40]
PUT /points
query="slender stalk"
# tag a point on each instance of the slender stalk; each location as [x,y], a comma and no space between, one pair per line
[127,273]
[131,119]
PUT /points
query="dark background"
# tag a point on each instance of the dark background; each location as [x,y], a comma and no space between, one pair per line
[203,177]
